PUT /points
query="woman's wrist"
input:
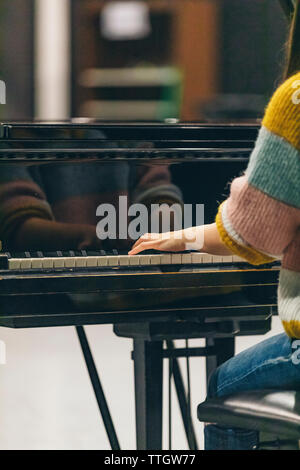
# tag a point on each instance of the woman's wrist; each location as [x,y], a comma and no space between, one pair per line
[205,238]
[194,238]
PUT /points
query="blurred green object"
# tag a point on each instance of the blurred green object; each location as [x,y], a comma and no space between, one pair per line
[172,94]
[167,80]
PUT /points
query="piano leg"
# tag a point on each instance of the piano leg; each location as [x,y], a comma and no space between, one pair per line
[148,373]
[225,348]
[98,390]
[183,402]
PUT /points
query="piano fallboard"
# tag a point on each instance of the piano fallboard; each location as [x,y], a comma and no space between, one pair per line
[121,296]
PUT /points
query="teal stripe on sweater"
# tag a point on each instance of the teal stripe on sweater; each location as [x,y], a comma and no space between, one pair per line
[274,168]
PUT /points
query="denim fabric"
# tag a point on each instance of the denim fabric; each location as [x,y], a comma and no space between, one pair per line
[269,364]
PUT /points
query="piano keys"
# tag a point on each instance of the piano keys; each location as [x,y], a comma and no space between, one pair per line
[102,259]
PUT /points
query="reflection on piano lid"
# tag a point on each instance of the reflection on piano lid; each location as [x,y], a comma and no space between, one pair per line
[62,172]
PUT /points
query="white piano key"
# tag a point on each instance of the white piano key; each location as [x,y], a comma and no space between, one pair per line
[206,258]
[48,263]
[186,258]
[70,262]
[134,260]
[37,263]
[227,259]
[102,261]
[176,258]
[112,260]
[144,260]
[155,259]
[65,260]
[166,259]
[80,261]
[25,263]
[91,261]
[197,258]
[124,260]
[216,259]
[14,263]
[58,262]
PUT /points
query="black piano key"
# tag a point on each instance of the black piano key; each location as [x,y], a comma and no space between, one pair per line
[18,254]
[33,254]
[77,253]
[68,253]
[93,253]
[53,254]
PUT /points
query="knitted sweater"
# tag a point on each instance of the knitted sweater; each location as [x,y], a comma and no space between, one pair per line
[260,220]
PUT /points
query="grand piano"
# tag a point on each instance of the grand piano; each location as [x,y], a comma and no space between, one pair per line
[56,271]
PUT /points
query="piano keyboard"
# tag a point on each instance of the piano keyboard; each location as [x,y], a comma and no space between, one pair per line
[102,259]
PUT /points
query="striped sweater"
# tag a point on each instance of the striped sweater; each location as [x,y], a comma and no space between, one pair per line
[260,221]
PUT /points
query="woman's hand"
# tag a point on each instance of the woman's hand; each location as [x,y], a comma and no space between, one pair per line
[168,241]
[204,238]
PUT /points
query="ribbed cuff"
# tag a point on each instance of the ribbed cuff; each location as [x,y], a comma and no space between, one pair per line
[248,253]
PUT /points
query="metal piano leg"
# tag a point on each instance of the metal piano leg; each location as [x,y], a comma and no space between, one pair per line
[148,372]
[182,399]
[100,397]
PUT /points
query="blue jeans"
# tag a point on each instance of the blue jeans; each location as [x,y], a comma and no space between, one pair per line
[269,364]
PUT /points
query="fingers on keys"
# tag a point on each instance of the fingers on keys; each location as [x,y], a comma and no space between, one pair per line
[147,241]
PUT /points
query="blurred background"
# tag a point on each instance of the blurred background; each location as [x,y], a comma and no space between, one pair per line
[140,60]
[194,60]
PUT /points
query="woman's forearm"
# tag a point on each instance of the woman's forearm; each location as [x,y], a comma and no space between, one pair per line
[213,243]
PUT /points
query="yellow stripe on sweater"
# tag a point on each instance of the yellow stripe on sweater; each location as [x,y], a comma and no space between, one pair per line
[282,115]
[248,253]
[292,328]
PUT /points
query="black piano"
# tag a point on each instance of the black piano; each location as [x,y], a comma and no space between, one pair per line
[56,271]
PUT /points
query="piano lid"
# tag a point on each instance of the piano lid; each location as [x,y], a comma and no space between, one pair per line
[178,141]
[155,131]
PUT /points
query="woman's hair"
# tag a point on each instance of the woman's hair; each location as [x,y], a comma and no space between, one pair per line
[293,45]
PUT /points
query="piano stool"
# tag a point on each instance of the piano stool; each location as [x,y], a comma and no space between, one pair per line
[276,412]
